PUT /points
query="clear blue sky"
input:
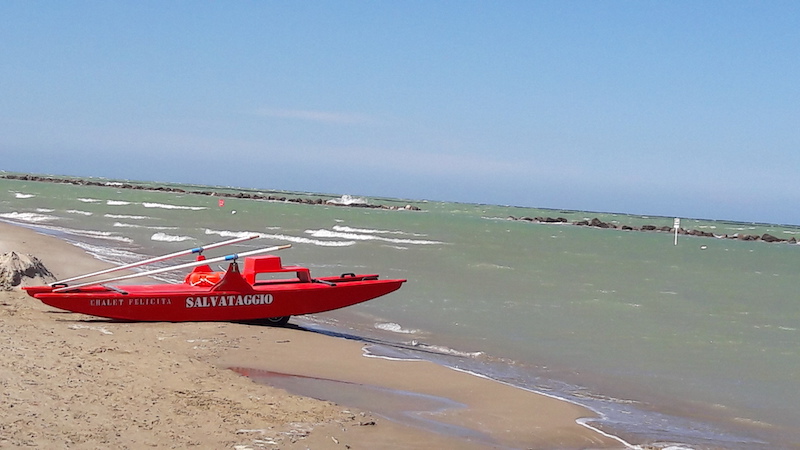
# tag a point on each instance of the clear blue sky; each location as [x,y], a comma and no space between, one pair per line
[673,108]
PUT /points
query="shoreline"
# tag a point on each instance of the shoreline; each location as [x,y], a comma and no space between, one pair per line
[71,378]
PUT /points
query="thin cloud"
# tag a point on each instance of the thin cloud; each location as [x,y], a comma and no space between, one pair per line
[315,116]
[427,163]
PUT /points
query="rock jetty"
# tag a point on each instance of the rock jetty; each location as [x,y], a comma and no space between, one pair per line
[597,223]
[243,195]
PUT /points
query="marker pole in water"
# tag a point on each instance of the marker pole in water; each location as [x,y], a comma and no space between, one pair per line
[677,225]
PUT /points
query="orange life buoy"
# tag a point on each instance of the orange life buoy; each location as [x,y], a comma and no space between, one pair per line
[204,279]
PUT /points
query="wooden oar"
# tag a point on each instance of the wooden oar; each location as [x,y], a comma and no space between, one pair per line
[156,259]
[178,267]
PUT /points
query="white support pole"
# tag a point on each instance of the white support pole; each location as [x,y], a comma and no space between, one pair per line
[178,267]
[157,259]
[677,225]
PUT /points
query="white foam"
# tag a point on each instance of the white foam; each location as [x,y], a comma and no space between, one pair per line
[87,233]
[394,328]
[117,203]
[109,254]
[98,235]
[165,206]
[126,225]
[346,229]
[367,237]
[367,352]
[490,266]
[347,200]
[76,211]
[44,210]
[29,217]
[232,234]
[136,225]
[89,200]
[302,240]
[442,350]
[125,216]
[164,237]
[283,237]
[21,195]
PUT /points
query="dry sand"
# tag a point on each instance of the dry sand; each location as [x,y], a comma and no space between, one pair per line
[74,381]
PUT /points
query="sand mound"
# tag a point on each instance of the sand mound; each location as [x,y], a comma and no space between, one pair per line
[16,269]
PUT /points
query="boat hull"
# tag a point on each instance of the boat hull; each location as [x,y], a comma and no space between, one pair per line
[186,303]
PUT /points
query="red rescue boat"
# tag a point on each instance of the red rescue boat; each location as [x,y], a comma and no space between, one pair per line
[264,290]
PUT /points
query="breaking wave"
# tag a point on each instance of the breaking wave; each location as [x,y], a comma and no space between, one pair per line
[394,328]
[97,235]
[367,237]
[133,225]
[29,217]
[347,200]
[345,229]
[109,254]
[443,350]
[76,211]
[165,206]
[283,237]
[164,237]
[38,219]
[125,216]
[416,350]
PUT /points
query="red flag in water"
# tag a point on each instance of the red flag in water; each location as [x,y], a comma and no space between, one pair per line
[221,202]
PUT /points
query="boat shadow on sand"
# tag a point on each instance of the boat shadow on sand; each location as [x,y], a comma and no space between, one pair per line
[90,319]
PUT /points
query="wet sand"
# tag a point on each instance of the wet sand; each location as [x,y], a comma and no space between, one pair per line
[70,380]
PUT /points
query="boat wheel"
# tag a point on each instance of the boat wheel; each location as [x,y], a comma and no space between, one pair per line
[277,321]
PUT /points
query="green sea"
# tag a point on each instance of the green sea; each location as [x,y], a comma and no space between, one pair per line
[693,345]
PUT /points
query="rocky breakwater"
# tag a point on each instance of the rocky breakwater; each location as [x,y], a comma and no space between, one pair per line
[597,223]
[242,195]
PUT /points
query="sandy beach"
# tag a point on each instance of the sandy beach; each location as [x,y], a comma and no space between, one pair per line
[74,381]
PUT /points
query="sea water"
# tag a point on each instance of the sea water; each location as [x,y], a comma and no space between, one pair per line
[694,343]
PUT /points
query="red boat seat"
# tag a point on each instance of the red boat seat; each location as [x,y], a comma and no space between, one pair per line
[271,264]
